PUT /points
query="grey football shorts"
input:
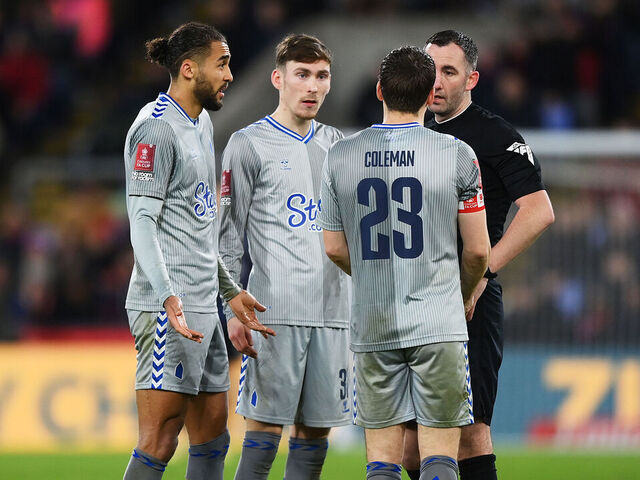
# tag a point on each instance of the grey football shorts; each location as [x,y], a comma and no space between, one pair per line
[300,376]
[429,383]
[169,361]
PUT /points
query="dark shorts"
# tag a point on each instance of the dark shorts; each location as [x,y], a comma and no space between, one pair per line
[486,340]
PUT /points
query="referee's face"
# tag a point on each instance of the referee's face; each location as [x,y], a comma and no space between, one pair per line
[452,80]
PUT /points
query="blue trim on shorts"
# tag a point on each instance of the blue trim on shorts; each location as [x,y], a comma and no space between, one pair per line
[159,350]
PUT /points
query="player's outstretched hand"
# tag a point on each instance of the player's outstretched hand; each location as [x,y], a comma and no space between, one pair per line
[240,336]
[244,306]
[173,307]
[471,307]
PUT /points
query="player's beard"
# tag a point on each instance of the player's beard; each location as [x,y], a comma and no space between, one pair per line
[206,94]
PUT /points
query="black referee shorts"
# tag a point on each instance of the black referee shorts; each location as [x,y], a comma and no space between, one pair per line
[486,340]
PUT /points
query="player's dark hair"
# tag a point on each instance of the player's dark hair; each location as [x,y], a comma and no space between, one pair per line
[300,47]
[465,42]
[189,40]
[406,78]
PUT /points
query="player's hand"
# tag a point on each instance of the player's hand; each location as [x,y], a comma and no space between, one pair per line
[241,338]
[173,307]
[244,306]
[479,290]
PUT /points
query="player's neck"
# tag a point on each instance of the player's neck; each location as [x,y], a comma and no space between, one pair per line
[394,117]
[461,108]
[186,100]
[299,125]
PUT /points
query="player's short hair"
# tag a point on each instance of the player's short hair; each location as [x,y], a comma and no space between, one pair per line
[465,42]
[189,40]
[406,76]
[300,47]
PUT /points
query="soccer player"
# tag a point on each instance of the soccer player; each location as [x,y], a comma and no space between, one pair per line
[510,174]
[392,195]
[270,195]
[182,373]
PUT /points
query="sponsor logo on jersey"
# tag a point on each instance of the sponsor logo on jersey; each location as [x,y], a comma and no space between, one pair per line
[522,149]
[304,212]
[225,188]
[205,201]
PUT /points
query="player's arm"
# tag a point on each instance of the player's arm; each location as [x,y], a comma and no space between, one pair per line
[240,167]
[337,249]
[520,173]
[242,303]
[151,153]
[472,223]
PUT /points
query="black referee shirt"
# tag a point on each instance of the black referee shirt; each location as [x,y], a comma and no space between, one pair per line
[508,168]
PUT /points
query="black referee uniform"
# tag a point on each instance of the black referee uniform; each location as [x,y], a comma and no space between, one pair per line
[509,171]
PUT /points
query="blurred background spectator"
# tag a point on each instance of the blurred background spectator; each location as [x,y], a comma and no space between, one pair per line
[72,78]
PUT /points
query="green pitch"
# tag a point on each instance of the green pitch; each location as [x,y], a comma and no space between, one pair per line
[512,465]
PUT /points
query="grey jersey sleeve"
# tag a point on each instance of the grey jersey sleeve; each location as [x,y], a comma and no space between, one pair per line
[143,217]
[329,217]
[228,288]
[467,172]
[153,150]
[240,168]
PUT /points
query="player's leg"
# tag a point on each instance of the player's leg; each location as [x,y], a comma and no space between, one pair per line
[411,452]
[384,452]
[476,457]
[207,412]
[162,391]
[160,418]
[268,397]
[324,402]
[384,404]
[441,394]
[307,450]
[438,450]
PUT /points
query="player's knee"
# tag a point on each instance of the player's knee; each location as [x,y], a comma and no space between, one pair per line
[158,445]
[309,433]
[475,440]
[411,459]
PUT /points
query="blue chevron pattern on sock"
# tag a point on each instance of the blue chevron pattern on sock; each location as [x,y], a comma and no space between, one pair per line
[262,445]
[147,461]
[308,448]
[159,349]
[383,467]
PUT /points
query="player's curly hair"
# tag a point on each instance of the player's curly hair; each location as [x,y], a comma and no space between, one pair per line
[189,40]
[406,76]
[300,47]
[465,42]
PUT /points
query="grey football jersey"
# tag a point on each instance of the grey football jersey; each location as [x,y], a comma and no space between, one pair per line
[395,191]
[270,194]
[170,156]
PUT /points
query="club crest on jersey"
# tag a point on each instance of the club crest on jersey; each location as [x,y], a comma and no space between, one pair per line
[205,201]
[522,149]
[304,212]
[284,165]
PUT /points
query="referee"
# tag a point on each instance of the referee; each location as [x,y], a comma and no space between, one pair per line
[510,173]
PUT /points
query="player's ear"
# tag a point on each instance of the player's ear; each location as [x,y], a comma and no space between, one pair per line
[276,78]
[188,69]
[430,97]
[379,92]
[472,80]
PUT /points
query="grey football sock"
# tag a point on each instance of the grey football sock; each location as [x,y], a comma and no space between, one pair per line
[206,460]
[384,470]
[258,451]
[438,467]
[306,458]
[143,466]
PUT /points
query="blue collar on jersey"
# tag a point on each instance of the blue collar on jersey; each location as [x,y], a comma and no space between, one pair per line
[291,133]
[394,126]
[165,99]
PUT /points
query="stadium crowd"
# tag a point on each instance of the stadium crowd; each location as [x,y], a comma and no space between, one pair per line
[572,65]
